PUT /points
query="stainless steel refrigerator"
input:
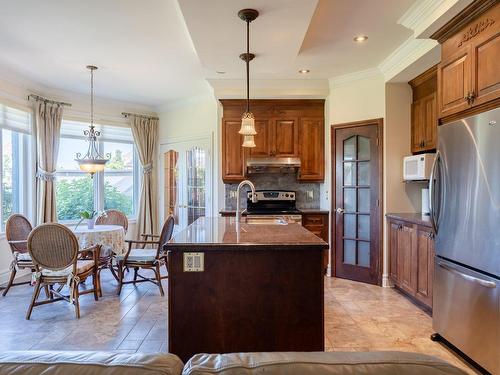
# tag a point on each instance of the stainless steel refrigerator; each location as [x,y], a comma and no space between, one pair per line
[465,210]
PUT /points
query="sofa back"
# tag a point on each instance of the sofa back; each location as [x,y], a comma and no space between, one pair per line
[85,363]
[333,363]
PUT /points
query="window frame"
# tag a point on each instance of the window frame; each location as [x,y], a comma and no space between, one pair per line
[98,180]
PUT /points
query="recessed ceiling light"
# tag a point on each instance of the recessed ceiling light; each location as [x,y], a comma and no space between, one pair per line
[220,72]
[360,38]
[304,71]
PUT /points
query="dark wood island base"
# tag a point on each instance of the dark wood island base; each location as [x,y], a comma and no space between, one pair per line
[262,291]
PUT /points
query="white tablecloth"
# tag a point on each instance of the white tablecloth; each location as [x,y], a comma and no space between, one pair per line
[110,237]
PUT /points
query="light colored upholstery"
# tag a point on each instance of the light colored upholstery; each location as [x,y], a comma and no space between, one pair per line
[23,257]
[81,267]
[333,363]
[140,255]
[85,363]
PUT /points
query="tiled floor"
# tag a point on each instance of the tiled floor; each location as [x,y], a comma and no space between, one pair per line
[358,317]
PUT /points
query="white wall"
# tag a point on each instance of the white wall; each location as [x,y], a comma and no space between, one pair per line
[14,91]
[191,118]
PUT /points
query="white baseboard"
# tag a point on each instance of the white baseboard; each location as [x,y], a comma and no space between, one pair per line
[386,283]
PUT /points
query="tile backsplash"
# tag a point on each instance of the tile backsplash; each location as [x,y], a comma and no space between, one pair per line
[307,194]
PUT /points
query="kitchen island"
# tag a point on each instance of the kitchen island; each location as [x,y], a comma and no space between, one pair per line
[256,286]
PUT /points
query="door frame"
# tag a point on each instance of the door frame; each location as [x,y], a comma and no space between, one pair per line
[203,137]
[380,126]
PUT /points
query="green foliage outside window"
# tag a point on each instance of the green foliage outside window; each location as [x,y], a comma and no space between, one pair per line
[77,195]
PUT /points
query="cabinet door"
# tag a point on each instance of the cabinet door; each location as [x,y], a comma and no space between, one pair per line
[424,267]
[393,252]
[233,155]
[405,256]
[454,82]
[318,225]
[262,139]
[486,70]
[430,124]
[286,138]
[417,125]
[311,149]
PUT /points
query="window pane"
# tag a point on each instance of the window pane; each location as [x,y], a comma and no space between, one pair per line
[11,174]
[119,177]
[74,188]
[74,194]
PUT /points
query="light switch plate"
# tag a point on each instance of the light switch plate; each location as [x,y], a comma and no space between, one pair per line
[194,262]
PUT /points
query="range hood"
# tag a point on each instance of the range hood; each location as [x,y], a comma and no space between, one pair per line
[272,165]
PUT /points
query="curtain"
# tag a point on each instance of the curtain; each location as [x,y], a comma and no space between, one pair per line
[48,118]
[145,132]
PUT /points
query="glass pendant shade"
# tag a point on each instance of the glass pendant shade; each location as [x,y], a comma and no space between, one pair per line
[248,141]
[247,124]
[91,166]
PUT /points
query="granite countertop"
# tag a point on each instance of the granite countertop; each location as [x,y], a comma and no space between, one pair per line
[416,218]
[221,232]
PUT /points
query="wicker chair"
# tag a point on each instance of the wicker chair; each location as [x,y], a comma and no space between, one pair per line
[146,258]
[17,230]
[110,217]
[55,250]
[113,217]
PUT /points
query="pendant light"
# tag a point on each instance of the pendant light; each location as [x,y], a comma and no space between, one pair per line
[247,120]
[93,161]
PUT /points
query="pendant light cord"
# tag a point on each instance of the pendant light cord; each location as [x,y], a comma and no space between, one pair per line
[248,66]
[92,97]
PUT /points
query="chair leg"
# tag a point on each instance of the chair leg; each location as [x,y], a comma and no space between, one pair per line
[76,300]
[36,292]
[136,270]
[51,291]
[158,279]
[96,282]
[113,272]
[120,277]
[11,281]
[47,292]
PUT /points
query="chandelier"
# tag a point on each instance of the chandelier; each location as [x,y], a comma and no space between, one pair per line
[247,119]
[92,162]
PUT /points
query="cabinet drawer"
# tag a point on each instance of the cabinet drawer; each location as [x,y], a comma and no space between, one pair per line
[313,220]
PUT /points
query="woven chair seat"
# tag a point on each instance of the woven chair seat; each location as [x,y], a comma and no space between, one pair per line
[23,257]
[81,267]
[139,255]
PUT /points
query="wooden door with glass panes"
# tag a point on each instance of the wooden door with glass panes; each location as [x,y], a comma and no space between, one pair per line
[186,176]
[357,201]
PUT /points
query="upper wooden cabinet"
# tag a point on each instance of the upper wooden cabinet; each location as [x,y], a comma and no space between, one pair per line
[233,162]
[276,138]
[312,149]
[424,120]
[469,73]
[285,128]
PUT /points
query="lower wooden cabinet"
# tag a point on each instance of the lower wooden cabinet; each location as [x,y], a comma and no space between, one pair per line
[411,252]
[318,224]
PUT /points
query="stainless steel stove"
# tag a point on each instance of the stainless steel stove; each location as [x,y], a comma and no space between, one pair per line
[278,204]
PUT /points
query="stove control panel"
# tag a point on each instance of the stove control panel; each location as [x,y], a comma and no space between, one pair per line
[273,195]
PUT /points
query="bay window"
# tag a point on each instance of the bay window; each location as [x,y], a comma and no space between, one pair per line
[114,188]
[16,163]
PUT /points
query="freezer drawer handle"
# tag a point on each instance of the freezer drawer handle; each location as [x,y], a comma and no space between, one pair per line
[485,283]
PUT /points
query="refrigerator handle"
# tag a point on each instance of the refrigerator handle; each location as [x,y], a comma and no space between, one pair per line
[431,194]
[485,283]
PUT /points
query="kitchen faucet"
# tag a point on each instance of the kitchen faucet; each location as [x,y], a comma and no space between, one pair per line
[254,197]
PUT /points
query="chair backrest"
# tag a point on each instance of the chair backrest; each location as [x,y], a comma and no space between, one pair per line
[166,231]
[18,228]
[53,246]
[113,217]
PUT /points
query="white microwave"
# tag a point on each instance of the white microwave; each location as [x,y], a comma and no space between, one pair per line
[418,167]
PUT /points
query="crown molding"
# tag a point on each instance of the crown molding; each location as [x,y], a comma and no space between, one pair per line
[426,16]
[406,54]
[354,76]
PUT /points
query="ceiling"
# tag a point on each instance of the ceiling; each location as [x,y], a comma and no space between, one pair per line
[166,50]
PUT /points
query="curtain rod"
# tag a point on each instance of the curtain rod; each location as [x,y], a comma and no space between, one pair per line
[127,114]
[45,100]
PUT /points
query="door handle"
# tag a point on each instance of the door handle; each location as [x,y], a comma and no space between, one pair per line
[431,194]
[340,210]
[453,270]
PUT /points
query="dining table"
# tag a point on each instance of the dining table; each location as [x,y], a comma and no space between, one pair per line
[111,238]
